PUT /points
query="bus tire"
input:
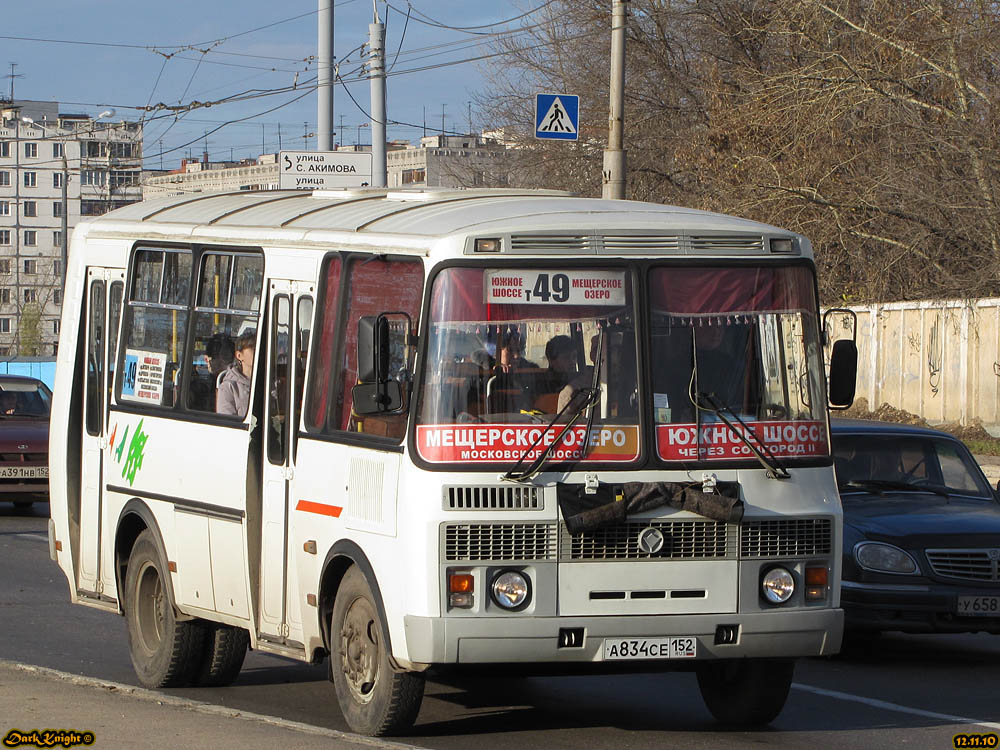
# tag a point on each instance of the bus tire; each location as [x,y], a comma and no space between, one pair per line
[225,650]
[164,652]
[375,699]
[746,692]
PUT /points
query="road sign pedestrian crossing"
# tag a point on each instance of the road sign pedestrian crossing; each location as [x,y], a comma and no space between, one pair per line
[557,116]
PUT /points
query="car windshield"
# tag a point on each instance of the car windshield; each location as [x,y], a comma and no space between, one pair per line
[740,344]
[887,462]
[24,400]
[508,349]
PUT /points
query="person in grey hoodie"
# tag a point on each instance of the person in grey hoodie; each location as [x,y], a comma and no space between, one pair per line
[234,388]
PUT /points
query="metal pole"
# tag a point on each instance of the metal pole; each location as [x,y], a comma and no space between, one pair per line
[324,101]
[64,224]
[376,76]
[614,154]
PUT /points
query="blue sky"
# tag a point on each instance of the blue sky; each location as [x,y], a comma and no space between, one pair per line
[140,53]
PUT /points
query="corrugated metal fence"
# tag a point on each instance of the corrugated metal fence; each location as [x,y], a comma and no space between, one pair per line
[43,369]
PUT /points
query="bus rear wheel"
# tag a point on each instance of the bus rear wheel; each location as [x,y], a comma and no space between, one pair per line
[746,692]
[375,699]
[225,650]
[165,652]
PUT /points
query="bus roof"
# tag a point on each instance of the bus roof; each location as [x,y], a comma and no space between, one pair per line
[423,215]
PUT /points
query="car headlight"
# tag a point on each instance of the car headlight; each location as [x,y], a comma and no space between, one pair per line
[777,585]
[511,590]
[880,557]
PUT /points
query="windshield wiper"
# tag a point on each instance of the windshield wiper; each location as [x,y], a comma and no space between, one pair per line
[764,454]
[880,485]
[583,399]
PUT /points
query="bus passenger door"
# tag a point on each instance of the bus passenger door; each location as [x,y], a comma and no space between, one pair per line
[291,306]
[104,306]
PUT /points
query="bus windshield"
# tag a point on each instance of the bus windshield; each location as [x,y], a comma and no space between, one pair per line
[508,349]
[738,344]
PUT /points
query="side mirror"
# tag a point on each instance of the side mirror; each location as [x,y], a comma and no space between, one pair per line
[377,398]
[383,348]
[843,373]
[373,349]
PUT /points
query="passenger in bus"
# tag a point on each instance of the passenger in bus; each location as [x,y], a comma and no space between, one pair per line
[219,354]
[234,387]
[560,352]
[510,353]
[205,379]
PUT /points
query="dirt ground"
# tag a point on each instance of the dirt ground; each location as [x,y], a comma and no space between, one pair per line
[974,434]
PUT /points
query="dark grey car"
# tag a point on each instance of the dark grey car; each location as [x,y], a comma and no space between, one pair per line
[921,531]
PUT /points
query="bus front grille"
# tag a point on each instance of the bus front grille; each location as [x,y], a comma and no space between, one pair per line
[794,537]
[682,540]
[499,542]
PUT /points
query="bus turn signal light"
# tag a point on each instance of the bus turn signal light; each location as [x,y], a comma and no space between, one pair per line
[816,579]
[815,576]
[460,588]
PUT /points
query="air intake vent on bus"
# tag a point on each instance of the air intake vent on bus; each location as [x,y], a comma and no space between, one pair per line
[493,498]
[737,244]
[550,243]
[497,542]
[788,537]
[641,244]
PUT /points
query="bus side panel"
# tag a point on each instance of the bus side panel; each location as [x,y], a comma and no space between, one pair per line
[345,492]
[199,469]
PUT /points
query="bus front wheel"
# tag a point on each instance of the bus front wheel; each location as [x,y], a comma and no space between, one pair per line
[164,651]
[375,699]
[746,692]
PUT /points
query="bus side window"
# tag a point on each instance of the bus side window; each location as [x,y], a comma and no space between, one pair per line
[227,306]
[156,325]
[377,284]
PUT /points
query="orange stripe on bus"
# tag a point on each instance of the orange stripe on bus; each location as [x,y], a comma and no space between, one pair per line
[322,508]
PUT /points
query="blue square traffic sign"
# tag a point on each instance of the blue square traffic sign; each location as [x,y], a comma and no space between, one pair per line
[557,116]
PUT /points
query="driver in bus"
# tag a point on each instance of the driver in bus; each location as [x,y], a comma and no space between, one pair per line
[560,352]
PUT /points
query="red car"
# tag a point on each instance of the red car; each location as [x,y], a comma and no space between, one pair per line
[24,440]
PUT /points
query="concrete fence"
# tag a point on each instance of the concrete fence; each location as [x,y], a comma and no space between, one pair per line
[939,359]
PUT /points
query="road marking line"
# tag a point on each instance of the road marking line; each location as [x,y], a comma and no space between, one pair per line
[875,703]
[207,708]
[33,537]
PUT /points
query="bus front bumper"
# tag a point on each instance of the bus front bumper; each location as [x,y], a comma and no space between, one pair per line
[497,640]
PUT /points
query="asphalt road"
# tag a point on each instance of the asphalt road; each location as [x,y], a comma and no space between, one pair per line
[916,691]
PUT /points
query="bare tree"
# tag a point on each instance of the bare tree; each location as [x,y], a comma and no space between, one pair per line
[871,126]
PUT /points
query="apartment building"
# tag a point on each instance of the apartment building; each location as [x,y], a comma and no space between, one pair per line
[54,169]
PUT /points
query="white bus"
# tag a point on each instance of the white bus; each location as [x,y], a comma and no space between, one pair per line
[449,429]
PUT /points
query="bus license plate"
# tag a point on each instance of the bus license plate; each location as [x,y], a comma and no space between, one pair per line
[673,647]
[979,606]
[24,472]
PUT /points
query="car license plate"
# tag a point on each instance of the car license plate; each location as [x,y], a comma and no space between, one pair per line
[979,606]
[673,647]
[24,472]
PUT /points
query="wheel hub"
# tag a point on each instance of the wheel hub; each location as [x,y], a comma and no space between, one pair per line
[359,650]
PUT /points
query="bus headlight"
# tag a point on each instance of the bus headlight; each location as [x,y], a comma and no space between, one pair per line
[777,585]
[511,590]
